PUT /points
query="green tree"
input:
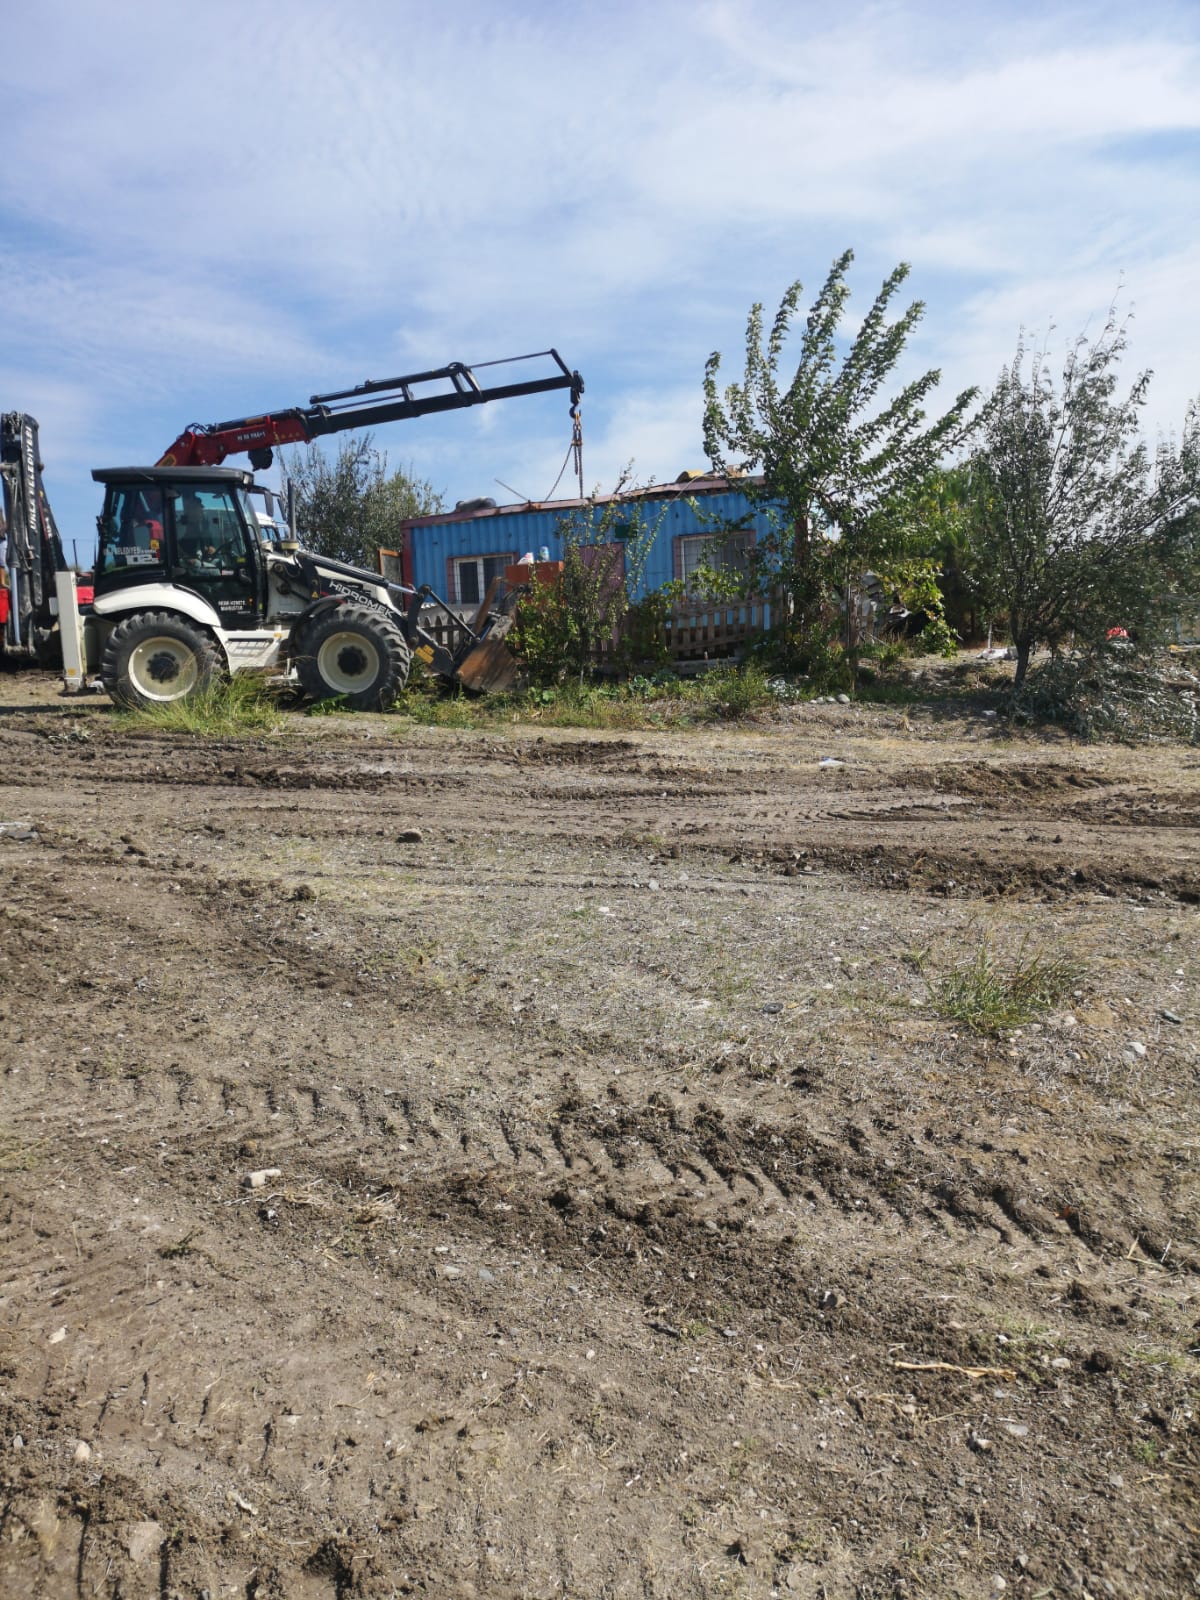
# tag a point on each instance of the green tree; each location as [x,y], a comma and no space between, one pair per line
[564,626]
[958,578]
[351,507]
[1075,525]
[841,465]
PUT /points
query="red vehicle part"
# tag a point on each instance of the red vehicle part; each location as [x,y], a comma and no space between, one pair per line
[379,400]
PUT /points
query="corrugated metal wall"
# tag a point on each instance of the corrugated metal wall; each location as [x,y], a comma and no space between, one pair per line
[503,532]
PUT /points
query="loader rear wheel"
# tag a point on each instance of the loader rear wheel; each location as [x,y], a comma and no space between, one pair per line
[354,654]
[154,658]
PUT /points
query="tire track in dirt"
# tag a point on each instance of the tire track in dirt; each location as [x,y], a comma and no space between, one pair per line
[1116,843]
[629,1160]
[387,1353]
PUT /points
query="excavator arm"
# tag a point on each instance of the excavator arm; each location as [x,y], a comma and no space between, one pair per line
[380,400]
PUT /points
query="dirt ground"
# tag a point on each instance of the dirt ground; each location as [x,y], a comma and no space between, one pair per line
[632,1222]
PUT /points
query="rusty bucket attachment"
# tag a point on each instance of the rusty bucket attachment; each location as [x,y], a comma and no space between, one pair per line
[487,665]
[475,653]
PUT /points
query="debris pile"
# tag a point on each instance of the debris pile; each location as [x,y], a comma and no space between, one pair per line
[1114,693]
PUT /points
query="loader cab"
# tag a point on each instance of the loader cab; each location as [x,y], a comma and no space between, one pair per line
[192,528]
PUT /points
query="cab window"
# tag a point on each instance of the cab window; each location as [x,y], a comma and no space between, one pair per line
[208,530]
[132,531]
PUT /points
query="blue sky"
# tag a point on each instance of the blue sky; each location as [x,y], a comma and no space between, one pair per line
[208,211]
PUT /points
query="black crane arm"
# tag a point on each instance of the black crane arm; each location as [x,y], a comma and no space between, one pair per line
[367,404]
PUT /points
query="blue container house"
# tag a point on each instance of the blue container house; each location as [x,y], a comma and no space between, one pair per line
[457,553]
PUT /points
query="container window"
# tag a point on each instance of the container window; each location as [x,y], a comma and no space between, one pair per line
[472,574]
[728,553]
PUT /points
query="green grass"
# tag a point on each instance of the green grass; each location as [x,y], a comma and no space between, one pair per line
[221,708]
[721,694]
[989,996]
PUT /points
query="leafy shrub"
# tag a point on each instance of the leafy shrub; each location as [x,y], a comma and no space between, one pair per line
[937,638]
[563,625]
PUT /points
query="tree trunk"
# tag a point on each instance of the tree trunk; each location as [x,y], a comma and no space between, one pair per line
[1024,648]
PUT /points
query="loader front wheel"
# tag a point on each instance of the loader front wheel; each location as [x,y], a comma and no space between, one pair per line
[153,658]
[354,654]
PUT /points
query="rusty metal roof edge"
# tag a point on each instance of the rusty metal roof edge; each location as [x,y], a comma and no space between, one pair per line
[713,484]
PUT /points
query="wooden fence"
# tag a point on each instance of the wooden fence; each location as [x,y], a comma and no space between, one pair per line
[706,631]
[693,631]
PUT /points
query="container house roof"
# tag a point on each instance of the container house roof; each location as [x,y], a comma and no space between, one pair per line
[686,484]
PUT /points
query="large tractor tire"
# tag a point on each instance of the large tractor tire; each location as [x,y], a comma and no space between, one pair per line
[353,654]
[153,658]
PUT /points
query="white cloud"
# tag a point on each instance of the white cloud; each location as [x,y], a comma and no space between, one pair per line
[208,214]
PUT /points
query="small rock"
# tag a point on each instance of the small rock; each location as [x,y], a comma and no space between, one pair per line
[1170,1016]
[843,699]
[829,761]
[410,836]
[14,830]
[487,1275]
[978,1443]
[773,1008]
[1136,1047]
[57,1336]
[1060,1362]
[83,1453]
[18,1442]
[652,883]
[998,1584]
[1018,1429]
[260,1179]
[1116,1481]
[452,1272]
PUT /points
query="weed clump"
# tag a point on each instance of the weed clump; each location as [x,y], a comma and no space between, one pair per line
[220,709]
[989,997]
